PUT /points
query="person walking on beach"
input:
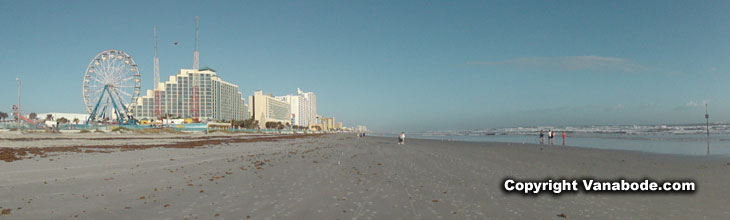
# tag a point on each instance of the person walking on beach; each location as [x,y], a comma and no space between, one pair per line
[542,137]
[402,138]
[551,135]
[564,136]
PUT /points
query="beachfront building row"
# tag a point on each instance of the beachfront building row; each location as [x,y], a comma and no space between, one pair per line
[193,93]
[303,107]
[328,123]
[292,110]
[201,94]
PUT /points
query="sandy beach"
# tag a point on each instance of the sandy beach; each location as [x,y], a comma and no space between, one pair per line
[341,176]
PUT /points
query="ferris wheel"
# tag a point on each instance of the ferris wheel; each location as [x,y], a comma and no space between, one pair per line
[111,84]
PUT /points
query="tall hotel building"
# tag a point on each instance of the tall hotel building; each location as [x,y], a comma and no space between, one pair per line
[266,108]
[193,93]
[303,107]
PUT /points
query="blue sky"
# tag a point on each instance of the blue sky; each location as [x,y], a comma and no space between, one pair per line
[399,65]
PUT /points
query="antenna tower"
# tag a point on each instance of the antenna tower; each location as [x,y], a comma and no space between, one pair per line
[157,105]
[157,63]
[196,55]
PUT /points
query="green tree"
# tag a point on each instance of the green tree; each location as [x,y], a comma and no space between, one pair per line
[49,117]
[3,115]
[236,124]
[271,125]
[33,116]
[76,121]
[250,123]
[62,120]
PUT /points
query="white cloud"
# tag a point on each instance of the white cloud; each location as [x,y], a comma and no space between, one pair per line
[596,63]
[617,107]
[691,105]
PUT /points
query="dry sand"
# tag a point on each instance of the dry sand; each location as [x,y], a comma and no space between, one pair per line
[343,177]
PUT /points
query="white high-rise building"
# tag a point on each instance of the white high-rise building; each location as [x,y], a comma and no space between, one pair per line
[293,101]
[303,107]
[308,108]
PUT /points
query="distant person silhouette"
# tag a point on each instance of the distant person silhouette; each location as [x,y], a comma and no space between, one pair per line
[402,138]
[564,136]
[551,135]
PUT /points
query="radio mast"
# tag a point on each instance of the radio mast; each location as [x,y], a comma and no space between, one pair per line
[196,55]
[157,63]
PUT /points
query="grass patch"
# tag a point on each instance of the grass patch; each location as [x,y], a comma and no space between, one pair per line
[221,131]
[120,129]
[157,131]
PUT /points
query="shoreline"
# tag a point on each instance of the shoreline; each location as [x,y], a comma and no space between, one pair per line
[620,147]
[723,156]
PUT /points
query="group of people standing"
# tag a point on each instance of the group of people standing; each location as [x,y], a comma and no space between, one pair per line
[551,136]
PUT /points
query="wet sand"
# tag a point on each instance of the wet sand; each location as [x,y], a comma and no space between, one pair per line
[343,177]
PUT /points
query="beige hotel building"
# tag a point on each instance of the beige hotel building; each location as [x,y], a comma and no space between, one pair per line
[193,93]
[267,108]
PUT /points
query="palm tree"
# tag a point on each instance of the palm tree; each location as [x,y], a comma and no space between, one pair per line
[250,123]
[3,115]
[76,121]
[49,117]
[33,116]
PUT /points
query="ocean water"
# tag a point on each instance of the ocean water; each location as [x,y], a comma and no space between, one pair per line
[666,139]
